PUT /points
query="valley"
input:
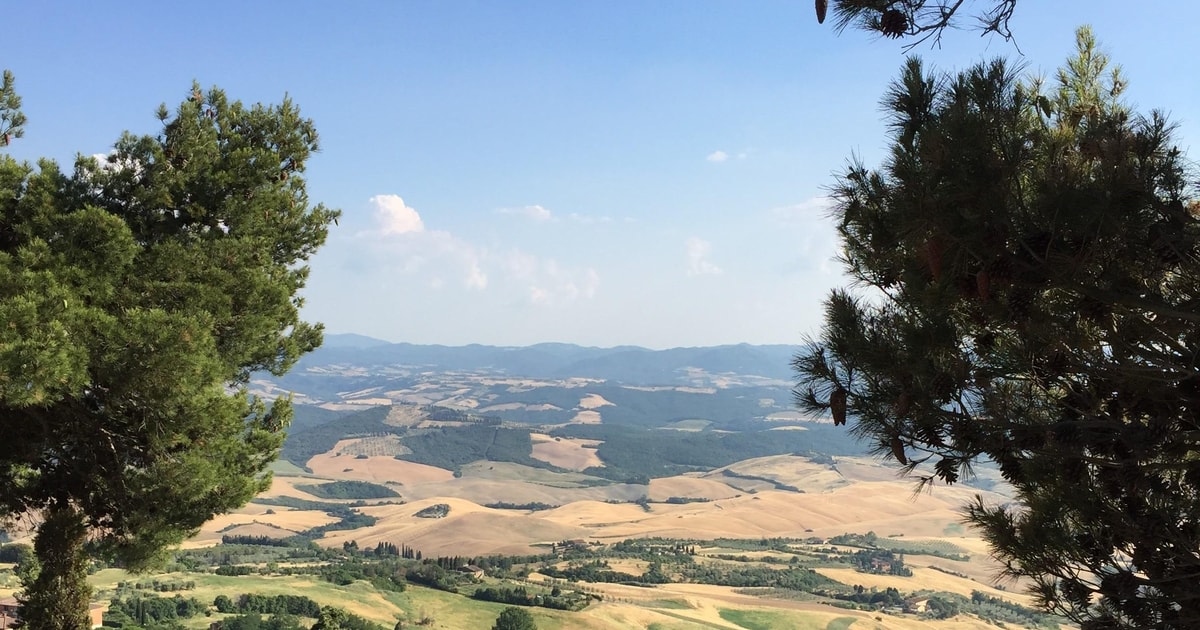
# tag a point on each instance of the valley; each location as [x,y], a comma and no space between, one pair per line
[577,477]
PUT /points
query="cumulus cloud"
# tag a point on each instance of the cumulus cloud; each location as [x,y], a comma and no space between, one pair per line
[394,217]
[401,245]
[547,283]
[698,251]
[533,213]
[405,247]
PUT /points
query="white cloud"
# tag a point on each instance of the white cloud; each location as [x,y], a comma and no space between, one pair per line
[717,156]
[817,244]
[805,213]
[698,251]
[394,217]
[533,213]
[548,283]
[399,237]
[402,246]
[588,220]
[476,278]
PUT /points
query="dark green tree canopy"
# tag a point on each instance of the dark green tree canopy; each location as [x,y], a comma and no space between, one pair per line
[514,618]
[138,293]
[1027,264]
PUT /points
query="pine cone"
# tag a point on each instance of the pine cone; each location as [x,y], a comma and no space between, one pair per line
[898,450]
[837,406]
[893,23]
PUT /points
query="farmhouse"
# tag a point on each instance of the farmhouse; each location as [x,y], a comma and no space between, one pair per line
[9,606]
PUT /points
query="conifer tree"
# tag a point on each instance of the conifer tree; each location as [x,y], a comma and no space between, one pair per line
[1027,271]
[917,21]
[138,293]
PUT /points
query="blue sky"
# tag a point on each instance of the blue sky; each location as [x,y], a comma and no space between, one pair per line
[601,173]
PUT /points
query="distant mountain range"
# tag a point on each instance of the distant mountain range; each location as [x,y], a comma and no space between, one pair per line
[621,364]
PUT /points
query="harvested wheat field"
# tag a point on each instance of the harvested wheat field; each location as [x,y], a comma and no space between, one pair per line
[282,522]
[587,416]
[923,578]
[882,507]
[693,486]
[789,470]
[259,530]
[593,401]
[377,469]
[483,491]
[468,529]
[569,453]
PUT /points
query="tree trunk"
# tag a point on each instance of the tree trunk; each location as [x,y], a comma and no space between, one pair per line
[56,593]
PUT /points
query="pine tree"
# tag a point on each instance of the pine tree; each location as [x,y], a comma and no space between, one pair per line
[1027,264]
[917,20]
[137,291]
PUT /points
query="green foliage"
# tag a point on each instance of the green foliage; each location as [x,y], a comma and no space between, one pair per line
[55,590]
[657,408]
[880,561]
[12,121]
[322,433]
[136,290]
[255,621]
[348,517]
[533,506]
[751,619]
[778,486]
[276,604]
[938,548]
[433,575]
[142,610]
[348,490]
[451,447]
[795,578]
[629,452]
[520,596]
[591,571]
[385,575]
[437,510]
[1002,611]
[15,553]
[1029,263]
[255,540]
[512,618]
[333,618]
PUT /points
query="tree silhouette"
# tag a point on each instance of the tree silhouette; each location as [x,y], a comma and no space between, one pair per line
[1027,264]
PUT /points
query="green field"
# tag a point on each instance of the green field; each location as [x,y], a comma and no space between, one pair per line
[771,620]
